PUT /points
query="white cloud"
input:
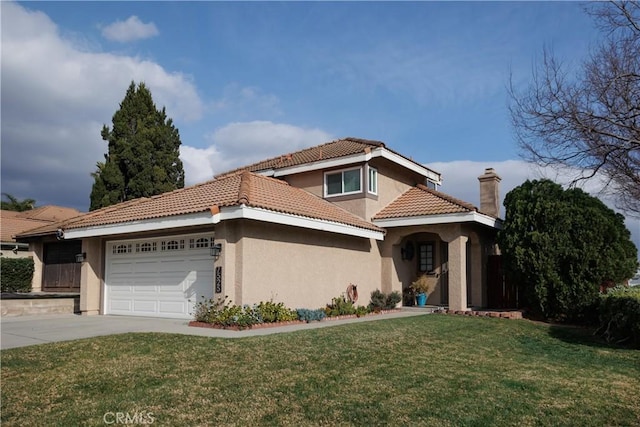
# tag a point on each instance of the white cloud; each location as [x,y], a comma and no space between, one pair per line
[238,144]
[129,30]
[55,99]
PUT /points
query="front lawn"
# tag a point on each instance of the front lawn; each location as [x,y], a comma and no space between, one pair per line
[428,370]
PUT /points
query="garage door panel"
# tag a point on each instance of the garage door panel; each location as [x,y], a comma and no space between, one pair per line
[174,308]
[160,284]
[121,267]
[145,306]
[120,305]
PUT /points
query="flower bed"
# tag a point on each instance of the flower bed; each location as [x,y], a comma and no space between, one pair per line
[198,324]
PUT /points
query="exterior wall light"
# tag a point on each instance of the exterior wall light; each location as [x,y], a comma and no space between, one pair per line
[216,250]
[81,257]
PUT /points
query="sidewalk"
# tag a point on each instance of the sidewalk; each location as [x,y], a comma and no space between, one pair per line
[32,330]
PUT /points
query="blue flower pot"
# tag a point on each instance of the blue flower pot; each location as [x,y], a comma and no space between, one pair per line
[421,300]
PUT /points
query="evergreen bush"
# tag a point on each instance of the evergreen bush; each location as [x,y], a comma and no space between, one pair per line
[620,316]
[16,274]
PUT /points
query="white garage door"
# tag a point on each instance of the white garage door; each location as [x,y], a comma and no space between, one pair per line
[160,277]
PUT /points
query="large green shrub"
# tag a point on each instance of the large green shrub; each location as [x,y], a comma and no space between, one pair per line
[16,274]
[559,245]
[620,316]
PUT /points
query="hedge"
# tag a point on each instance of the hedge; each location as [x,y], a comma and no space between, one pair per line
[620,316]
[16,274]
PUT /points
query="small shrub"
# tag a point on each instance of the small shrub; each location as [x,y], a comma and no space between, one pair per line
[381,301]
[620,316]
[16,274]
[378,299]
[307,315]
[361,310]
[218,311]
[270,312]
[392,300]
[203,310]
[339,307]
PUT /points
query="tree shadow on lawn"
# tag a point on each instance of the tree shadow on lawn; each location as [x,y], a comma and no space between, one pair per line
[580,335]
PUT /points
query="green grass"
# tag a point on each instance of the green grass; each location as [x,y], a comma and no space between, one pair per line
[429,370]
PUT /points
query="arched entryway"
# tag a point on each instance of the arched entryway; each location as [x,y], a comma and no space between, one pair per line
[452,252]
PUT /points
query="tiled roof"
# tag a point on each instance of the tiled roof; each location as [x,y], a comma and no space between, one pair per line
[232,190]
[12,223]
[421,201]
[330,150]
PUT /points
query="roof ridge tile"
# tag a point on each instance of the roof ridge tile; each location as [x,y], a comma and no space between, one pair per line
[244,189]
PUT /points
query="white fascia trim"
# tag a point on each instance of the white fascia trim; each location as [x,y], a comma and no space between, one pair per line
[357,158]
[258,214]
[201,218]
[427,173]
[440,219]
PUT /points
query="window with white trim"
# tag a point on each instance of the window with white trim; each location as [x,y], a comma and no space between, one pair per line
[373,181]
[347,181]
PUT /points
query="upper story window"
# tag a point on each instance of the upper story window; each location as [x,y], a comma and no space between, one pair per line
[372,186]
[347,181]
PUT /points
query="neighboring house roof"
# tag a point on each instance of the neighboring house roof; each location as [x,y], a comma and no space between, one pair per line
[333,154]
[13,223]
[422,205]
[247,195]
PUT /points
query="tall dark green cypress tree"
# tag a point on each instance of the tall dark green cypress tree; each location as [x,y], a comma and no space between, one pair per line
[143,152]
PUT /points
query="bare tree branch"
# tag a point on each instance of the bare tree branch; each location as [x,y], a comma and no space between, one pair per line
[589,120]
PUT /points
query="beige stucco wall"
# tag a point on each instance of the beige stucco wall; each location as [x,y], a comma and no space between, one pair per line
[91,276]
[392,182]
[299,267]
[37,249]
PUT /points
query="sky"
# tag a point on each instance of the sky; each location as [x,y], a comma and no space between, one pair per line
[244,81]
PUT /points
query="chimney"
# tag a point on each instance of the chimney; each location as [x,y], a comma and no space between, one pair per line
[490,192]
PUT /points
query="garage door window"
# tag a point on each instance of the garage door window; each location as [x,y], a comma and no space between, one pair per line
[202,242]
[172,245]
[122,249]
[146,247]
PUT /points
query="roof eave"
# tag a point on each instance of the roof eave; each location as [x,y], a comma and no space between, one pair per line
[155,224]
[225,213]
[383,152]
[449,218]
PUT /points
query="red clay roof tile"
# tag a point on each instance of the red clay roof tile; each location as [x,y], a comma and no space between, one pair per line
[13,223]
[421,201]
[233,190]
[330,150]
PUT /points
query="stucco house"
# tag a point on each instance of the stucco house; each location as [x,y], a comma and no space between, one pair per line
[297,228]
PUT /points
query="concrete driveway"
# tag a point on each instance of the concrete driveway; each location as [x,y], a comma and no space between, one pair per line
[32,330]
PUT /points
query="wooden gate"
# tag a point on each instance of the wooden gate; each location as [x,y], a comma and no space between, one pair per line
[500,293]
[61,272]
